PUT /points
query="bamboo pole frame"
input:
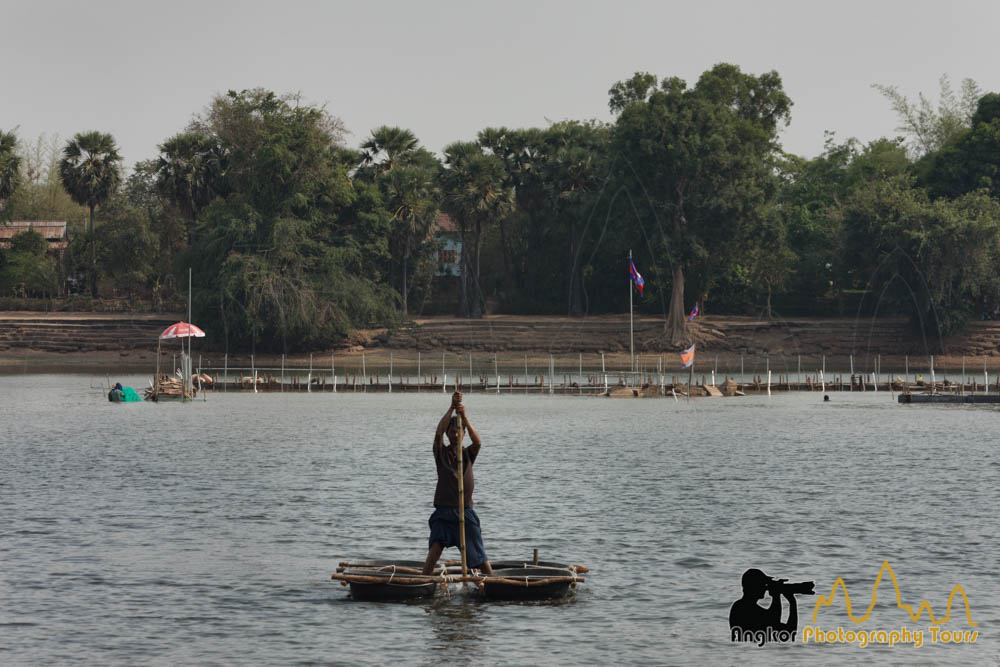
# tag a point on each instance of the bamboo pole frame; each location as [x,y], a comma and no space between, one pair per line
[461,497]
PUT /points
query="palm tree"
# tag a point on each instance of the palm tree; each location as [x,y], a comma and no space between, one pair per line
[412,196]
[90,171]
[387,147]
[187,171]
[476,195]
[10,166]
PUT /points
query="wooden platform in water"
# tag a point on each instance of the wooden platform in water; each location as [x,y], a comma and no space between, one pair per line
[949,398]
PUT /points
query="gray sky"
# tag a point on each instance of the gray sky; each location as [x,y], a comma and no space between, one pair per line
[140,70]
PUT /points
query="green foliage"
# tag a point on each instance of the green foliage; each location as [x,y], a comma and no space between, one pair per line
[935,260]
[10,167]
[406,176]
[928,128]
[41,195]
[810,203]
[283,259]
[187,172]
[128,247]
[971,161]
[26,269]
[90,171]
[29,242]
[700,164]
[476,195]
[295,239]
[552,249]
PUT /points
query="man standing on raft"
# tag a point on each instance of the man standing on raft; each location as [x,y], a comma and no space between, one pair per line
[444,521]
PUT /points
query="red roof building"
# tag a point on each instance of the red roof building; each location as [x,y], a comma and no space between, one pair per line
[54,232]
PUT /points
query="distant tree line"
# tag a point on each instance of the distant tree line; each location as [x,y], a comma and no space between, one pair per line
[295,239]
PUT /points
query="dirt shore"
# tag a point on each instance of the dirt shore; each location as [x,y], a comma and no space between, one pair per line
[119,342]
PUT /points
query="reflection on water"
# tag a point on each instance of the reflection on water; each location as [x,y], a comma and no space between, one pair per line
[456,623]
[206,533]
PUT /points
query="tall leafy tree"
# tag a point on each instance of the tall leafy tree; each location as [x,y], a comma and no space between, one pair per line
[702,160]
[810,205]
[128,246]
[91,172]
[288,255]
[971,161]
[406,176]
[929,128]
[187,172]
[476,195]
[27,269]
[10,167]
[935,260]
[388,147]
[412,196]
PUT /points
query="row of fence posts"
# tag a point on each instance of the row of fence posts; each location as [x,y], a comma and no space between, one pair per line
[629,379]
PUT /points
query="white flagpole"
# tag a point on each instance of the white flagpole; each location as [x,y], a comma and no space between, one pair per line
[631,343]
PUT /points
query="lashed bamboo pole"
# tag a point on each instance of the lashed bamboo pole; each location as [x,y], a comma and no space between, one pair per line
[524,581]
[461,497]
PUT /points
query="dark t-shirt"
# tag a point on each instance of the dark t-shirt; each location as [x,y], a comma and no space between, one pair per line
[446,459]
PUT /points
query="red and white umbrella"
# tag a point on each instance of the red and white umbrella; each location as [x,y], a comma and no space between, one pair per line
[182,330]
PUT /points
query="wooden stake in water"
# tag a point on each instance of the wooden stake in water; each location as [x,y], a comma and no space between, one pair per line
[933,380]
[333,372]
[552,375]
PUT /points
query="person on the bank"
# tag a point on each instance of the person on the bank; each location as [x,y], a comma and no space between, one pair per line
[444,520]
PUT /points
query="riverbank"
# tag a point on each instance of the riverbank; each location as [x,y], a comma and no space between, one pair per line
[119,342]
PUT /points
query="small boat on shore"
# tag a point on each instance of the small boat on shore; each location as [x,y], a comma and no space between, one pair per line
[388,580]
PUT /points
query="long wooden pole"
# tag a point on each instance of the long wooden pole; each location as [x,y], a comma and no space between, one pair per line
[156,380]
[461,499]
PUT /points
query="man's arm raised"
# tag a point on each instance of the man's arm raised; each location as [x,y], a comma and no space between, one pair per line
[456,401]
[470,429]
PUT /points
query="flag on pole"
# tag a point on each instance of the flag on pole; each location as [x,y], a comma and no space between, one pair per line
[634,274]
[694,313]
[687,357]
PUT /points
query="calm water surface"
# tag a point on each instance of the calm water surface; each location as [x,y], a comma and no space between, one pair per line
[206,533]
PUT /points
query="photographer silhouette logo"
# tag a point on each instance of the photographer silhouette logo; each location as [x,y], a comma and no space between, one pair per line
[751,623]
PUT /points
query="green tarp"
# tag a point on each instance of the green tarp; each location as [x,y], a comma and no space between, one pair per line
[124,395]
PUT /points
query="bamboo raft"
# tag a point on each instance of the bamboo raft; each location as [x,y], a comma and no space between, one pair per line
[384,580]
